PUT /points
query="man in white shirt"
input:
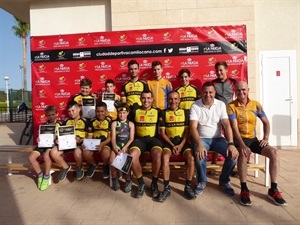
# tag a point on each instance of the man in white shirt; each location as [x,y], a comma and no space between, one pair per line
[207,116]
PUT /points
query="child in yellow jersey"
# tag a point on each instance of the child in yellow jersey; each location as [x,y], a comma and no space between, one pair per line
[110,89]
[43,178]
[85,91]
[80,132]
[99,128]
[160,87]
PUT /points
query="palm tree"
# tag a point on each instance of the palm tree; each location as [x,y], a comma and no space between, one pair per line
[22,30]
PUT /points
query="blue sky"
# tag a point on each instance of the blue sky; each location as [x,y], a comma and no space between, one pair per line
[11,54]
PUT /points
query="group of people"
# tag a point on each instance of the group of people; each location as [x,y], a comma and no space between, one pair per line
[153,117]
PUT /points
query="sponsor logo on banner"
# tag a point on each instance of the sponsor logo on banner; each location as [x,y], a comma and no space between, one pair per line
[61,69]
[211,33]
[81,41]
[102,41]
[145,64]
[189,63]
[42,93]
[102,66]
[170,77]
[145,76]
[41,43]
[43,118]
[61,55]
[167,36]
[102,78]
[62,94]
[42,82]
[81,67]
[82,55]
[211,61]
[188,36]
[210,75]
[123,39]
[234,34]
[212,48]
[123,65]
[42,57]
[61,43]
[234,73]
[40,107]
[62,105]
[235,61]
[168,50]
[123,78]
[42,69]
[77,81]
[189,49]
[167,63]
[62,80]
[144,38]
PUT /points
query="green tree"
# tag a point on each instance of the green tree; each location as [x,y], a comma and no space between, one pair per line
[2,96]
[22,30]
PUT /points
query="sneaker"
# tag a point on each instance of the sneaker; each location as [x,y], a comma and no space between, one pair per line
[164,195]
[44,184]
[189,192]
[39,182]
[154,190]
[140,191]
[79,172]
[245,198]
[91,170]
[105,172]
[200,188]
[276,197]
[128,186]
[227,189]
[115,184]
[63,173]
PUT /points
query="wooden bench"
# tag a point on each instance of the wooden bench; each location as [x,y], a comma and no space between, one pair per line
[177,163]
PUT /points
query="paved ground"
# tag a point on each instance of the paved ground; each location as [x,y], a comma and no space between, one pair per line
[91,201]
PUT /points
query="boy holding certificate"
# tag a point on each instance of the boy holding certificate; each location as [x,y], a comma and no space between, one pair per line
[85,91]
[80,125]
[43,177]
[99,128]
[122,134]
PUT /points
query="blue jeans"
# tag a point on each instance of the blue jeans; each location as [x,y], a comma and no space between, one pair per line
[218,145]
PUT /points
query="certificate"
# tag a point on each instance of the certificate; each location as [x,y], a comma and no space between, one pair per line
[90,144]
[46,136]
[123,162]
[109,99]
[66,138]
[88,107]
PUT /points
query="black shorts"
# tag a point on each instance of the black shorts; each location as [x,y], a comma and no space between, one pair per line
[41,151]
[177,141]
[146,144]
[253,144]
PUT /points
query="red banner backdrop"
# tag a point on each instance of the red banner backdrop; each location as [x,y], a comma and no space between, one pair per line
[59,62]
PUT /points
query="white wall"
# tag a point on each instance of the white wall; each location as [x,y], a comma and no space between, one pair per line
[52,17]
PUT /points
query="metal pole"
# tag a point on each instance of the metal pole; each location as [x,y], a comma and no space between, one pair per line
[21,70]
[7,97]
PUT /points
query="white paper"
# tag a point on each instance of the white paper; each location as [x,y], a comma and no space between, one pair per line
[90,144]
[123,162]
[109,99]
[46,136]
[66,138]
[88,107]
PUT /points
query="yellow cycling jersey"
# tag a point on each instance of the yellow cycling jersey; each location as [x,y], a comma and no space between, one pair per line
[245,116]
[145,121]
[100,129]
[160,89]
[188,95]
[132,91]
[78,98]
[80,126]
[174,122]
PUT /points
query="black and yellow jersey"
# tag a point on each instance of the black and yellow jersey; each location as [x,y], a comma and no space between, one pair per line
[174,122]
[145,121]
[78,98]
[80,126]
[188,95]
[132,91]
[100,129]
